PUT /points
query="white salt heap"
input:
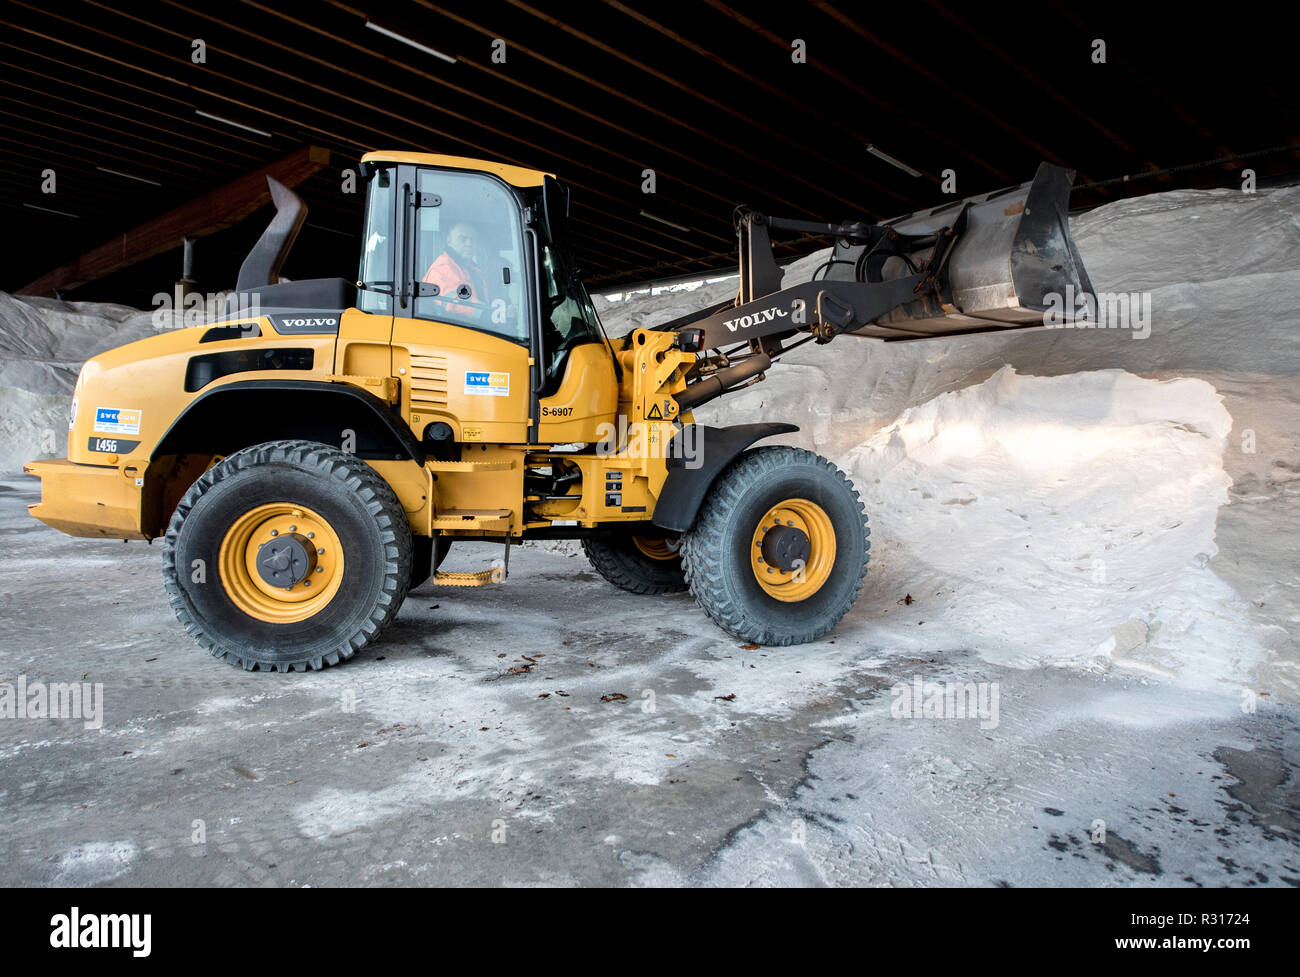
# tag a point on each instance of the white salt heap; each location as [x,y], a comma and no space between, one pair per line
[1046,512]
[43,343]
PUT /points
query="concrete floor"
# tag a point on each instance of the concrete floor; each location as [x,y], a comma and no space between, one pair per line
[426,761]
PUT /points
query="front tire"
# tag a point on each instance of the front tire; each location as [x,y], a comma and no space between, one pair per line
[286,556]
[779,548]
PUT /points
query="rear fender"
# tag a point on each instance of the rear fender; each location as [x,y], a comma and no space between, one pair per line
[237,415]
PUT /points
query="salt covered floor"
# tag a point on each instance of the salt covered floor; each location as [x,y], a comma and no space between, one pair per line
[404,765]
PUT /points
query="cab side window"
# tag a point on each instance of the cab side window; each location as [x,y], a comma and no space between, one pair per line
[568,319]
[469,254]
[376,276]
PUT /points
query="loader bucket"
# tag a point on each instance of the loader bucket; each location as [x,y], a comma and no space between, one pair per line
[1014,255]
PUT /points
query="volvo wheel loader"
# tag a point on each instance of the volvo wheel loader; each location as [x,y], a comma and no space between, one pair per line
[312,456]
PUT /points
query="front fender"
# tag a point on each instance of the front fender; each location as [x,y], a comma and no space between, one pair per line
[685,488]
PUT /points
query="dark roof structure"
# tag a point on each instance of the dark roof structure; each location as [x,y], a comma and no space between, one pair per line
[815,108]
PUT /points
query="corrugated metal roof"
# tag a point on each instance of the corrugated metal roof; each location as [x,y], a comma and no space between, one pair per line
[711,96]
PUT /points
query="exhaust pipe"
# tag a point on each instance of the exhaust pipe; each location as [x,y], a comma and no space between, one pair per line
[263,264]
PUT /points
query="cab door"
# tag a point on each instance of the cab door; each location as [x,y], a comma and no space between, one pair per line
[365,333]
[462,326]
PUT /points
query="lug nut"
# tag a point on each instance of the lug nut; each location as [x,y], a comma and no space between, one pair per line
[275,532]
[320,550]
[311,535]
[320,569]
[293,529]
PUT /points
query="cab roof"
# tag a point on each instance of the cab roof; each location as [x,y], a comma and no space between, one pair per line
[517,176]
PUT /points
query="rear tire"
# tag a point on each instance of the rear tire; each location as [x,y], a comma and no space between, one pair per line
[639,565]
[787,489]
[282,492]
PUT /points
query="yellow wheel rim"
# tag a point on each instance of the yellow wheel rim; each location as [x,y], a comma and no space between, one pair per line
[798,583]
[258,598]
[657,549]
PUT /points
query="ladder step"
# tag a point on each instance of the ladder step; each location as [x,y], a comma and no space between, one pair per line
[487,520]
[476,578]
[470,466]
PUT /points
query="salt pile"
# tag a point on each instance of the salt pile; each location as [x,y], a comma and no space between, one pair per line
[43,343]
[1064,520]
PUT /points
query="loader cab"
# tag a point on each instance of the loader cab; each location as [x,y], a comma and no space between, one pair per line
[489,316]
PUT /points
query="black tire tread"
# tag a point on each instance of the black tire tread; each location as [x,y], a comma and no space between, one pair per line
[699,546]
[331,463]
[628,570]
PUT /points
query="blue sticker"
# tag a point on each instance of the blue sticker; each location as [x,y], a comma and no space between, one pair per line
[485,384]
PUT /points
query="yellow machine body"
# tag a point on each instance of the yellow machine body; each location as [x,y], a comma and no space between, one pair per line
[123,475]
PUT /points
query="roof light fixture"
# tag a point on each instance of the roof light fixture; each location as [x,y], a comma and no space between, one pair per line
[892,161]
[406,40]
[664,220]
[231,122]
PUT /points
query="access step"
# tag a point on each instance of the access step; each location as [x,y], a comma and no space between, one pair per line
[476,578]
[470,466]
[483,520]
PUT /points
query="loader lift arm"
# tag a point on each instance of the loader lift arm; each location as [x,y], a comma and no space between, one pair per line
[767,314]
[991,262]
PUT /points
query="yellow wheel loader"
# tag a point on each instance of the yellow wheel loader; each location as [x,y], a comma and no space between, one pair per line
[313,455]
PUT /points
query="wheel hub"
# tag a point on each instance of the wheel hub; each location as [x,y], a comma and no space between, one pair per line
[666,549]
[286,560]
[786,547]
[281,562]
[793,550]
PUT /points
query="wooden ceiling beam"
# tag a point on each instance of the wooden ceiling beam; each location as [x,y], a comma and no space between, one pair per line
[212,212]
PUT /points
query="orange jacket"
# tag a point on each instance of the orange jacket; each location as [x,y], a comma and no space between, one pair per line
[449,275]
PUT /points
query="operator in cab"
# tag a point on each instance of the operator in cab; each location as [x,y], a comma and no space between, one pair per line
[458,274]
